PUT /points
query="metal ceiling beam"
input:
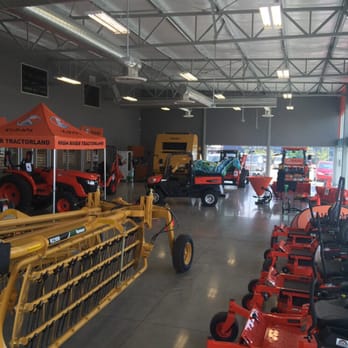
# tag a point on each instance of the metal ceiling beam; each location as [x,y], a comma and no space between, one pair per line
[239,40]
[333,41]
[159,14]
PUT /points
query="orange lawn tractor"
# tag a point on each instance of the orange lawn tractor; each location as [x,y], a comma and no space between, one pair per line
[30,189]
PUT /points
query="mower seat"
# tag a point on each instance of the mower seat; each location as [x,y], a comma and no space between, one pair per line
[332,312]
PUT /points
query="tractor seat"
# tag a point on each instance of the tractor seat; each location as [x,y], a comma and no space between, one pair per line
[332,312]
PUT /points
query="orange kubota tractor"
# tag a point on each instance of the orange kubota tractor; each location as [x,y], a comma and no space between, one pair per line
[29,188]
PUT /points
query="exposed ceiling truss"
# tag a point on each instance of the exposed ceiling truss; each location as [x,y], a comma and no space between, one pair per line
[223,43]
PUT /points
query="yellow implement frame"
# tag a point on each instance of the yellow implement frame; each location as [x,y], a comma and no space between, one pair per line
[63,271]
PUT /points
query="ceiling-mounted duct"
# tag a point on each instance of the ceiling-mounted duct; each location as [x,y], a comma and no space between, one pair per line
[70,29]
[8,4]
[247,102]
[191,95]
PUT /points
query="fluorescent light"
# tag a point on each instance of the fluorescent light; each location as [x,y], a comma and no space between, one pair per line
[129,98]
[265,16]
[219,96]
[108,22]
[287,95]
[68,80]
[276,16]
[290,107]
[236,108]
[283,74]
[275,21]
[165,108]
[188,76]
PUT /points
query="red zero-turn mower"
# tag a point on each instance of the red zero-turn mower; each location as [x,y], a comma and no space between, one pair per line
[317,323]
[29,188]
[314,314]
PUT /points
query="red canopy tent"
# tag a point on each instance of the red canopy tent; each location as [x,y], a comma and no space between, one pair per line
[41,128]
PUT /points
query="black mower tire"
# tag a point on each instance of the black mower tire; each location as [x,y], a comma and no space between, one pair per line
[252,285]
[246,301]
[23,192]
[209,198]
[66,201]
[216,328]
[267,253]
[182,253]
[266,265]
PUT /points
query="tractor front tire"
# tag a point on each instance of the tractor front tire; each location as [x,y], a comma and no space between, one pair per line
[209,198]
[182,253]
[18,191]
[66,201]
[158,197]
[217,331]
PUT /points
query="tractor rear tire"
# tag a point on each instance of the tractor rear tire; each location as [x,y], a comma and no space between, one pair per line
[209,198]
[182,253]
[18,191]
[66,201]
[216,326]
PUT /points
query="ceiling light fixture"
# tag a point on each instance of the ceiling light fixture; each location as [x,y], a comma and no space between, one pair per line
[287,95]
[108,22]
[283,74]
[129,98]
[188,114]
[188,76]
[219,96]
[236,108]
[268,112]
[165,108]
[271,17]
[68,80]
[265,16]
[276,16]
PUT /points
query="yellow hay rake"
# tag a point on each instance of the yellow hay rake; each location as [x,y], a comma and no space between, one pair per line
[58,271]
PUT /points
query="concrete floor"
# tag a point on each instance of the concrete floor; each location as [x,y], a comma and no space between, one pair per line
[163,309]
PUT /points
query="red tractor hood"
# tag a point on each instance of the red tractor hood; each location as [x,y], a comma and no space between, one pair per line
[155,179]
[78,173]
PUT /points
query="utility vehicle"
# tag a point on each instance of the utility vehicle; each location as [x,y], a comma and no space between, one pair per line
[180,179]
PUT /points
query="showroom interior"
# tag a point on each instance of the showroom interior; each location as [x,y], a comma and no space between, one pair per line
[253,86]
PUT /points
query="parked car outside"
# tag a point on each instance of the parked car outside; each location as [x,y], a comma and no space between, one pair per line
[256,164]
[324,171]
